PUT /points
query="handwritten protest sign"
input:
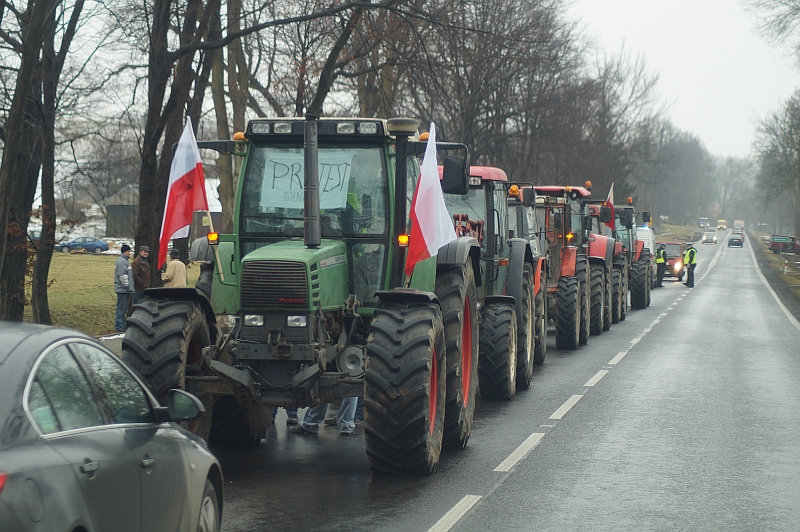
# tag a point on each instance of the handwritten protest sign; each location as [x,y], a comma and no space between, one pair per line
[282,185]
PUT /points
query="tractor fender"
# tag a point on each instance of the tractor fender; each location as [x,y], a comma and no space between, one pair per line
[601,250]
[619,249]
[458,252]
[639,248]
[569,256]
[188,294]
[520,255]
[491,300]
[405,296]
[540,266]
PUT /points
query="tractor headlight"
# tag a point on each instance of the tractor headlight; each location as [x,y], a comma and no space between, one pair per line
[296,321]
[253,320]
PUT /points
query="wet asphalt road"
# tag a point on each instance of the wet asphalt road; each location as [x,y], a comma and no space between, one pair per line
[686,416]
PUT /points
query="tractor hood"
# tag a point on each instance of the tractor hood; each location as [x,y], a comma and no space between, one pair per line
[287,275]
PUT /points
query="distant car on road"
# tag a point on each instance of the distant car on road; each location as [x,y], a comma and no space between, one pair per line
[90,244]
[674,259]
[736,240]
[709,237]
[85,446]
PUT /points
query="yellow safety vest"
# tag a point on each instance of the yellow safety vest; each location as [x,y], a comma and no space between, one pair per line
[661,256]
[689,256]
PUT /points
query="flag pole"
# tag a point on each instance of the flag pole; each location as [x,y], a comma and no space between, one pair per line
[216,250]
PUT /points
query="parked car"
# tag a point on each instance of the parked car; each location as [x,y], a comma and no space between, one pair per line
[89,243]
[736,240]
[710,237]
[674,259]
[85,446]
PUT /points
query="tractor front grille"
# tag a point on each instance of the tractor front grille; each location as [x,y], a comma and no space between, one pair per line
[274,284]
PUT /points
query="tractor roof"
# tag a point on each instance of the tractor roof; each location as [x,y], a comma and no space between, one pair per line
[486,173]
[551,190]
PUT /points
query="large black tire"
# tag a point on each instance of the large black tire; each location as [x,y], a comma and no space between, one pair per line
[597,291]
[639,285]
[405,394]
[623,290]
[237,424]
[607,299]
[459,301]
[540,340]
[582,273]
[210,514]
[616,295]
[162,338]
[568,313]
[497,363]
[651,278]
[526,318]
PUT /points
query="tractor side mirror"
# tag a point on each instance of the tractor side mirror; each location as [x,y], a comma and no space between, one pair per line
[557,222]
[454,176]
[528,197]
[625,219]
[646,217]
[605,214]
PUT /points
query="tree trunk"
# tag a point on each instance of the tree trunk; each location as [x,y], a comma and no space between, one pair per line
[226,190]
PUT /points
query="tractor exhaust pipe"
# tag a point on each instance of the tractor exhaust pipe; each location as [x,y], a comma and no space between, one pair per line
[311,223]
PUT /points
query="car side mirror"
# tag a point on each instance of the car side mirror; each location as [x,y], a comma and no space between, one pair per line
[183,406]
[646,217]
[605,214]
[528,197]
[454,175]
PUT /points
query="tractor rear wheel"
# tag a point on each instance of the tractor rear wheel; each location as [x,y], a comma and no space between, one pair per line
[607,299]
[623,292]
[568,313]
[163,337]
[616,295]
[597,290]
[405,389]
[583,275]
[497,363]
[540,339]
[526,319]
[639,284]
[458,299]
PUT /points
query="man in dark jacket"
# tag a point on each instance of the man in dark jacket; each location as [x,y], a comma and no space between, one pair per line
[141,273]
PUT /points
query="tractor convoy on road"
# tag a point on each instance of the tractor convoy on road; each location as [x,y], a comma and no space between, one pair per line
[309,300]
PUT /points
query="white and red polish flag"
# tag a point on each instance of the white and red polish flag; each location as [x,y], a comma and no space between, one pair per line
[186,192]
[431,225]
[610,202]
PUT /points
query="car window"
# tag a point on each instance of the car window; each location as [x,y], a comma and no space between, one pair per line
[41,409]
[68,391]
[123,394]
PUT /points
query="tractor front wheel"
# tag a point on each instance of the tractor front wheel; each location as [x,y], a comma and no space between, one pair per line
[497,364]
[525,330]
[540,340]
[597,290]
[639,284]
[405,389]
[568,313]
[616,295]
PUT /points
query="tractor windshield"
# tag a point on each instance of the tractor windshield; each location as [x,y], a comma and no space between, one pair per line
[352,190]
[473,204]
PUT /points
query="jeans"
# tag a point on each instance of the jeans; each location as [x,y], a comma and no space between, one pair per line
[290,412]
[360,409]
[315,416]
[121,312]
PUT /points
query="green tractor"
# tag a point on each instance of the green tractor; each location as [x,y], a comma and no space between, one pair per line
[308,301]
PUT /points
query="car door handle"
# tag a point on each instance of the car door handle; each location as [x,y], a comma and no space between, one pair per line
[147,463]
[89,467]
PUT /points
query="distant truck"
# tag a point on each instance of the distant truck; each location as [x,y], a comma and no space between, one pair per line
[722,224]
[703,222]
[738,226]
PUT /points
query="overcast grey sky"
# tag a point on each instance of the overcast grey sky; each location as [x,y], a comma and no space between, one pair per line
[716,72]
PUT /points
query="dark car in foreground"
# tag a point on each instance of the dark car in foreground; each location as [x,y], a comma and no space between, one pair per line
[736,240]
[85,446]
[88,243]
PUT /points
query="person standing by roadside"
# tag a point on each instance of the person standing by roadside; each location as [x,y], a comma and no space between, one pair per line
[175,276]
[690,261]
[661,264]
[123,286]
[141,273]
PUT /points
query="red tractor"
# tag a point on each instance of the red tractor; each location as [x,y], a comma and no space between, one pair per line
[577,261]
[635,264]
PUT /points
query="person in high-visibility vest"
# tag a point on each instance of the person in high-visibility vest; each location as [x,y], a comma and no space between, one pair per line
[690,261]
[661,264]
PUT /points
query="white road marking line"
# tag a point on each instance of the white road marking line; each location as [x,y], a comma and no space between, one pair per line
[617,358]
[647,330]
[792,319]
[670,308]
[635,341]
[558,414]
[597,376]
[455,514]
[663,315]
[520,452]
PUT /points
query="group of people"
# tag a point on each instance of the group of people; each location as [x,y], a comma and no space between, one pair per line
[348,415]
[689,261]
[132,279]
